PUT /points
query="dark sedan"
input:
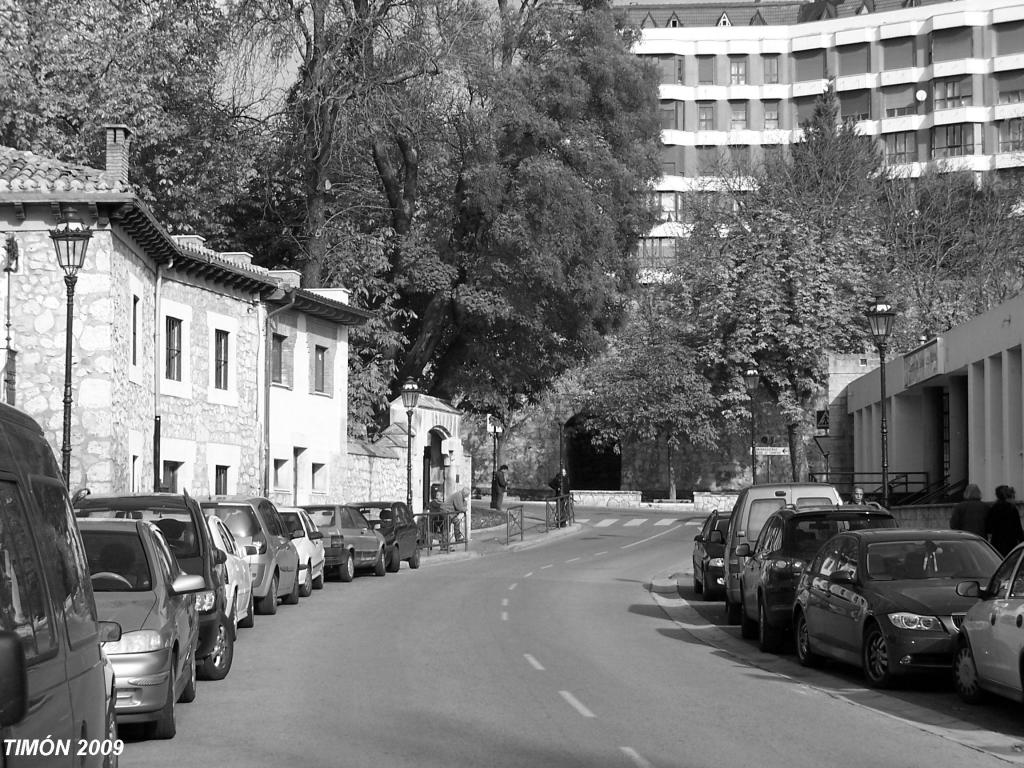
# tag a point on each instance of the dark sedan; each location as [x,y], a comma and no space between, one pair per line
[789,539]
[394,522]
[886,600]
[709,556]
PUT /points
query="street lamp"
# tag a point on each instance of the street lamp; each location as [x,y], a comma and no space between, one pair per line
[881,316]
[410,396]
[751,379]
[71,240]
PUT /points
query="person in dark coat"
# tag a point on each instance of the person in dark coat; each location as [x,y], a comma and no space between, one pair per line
[498,491]
[1002,526]
[971,513]
[560,485]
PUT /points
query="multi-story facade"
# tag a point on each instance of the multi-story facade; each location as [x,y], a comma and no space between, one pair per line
[939,84]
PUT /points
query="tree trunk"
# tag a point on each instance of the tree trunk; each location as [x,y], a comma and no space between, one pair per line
[671,476]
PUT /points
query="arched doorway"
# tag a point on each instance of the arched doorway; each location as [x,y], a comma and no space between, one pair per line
[590,468]
[435,465]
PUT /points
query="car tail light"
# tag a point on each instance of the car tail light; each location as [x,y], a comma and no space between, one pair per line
[260,542]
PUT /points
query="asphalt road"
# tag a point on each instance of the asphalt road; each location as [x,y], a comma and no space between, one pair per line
[559,655]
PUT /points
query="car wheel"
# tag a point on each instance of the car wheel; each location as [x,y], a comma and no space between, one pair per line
[748,626]
[769,639]
[163,727]
[348,569]
[802,640]
[965,675]
[292,598]
[188,693]
[250,617]
[875,658]
[394,561]
[307,586]
[318,582]
[268,603]
[414,560]
[380,567]
[217,665]
[698,582]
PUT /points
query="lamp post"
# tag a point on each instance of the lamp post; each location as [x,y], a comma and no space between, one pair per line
[71,241]
[410,397]
[881,316]
[751,379]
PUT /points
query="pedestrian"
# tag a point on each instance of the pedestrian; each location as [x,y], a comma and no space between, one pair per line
[1002,526]
[436,511]
[500,484]
[455,507]
[563,497]
[858,496]
[971,513]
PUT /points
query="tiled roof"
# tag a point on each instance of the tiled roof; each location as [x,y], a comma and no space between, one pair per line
[740,12]
[28,172]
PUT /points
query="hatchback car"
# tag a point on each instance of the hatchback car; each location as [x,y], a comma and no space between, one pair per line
[237,577]
[790,538]
[401,533]
[708,556]
[273,561]
[139,584]
[310,546]
[349,541]
[990,647]
[183,525]
[886,600]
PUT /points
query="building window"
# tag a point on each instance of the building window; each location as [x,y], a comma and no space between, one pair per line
[901,147]
[705,70]
[135,474]
[668,206]
[277,358]
[854,59]
[953,140]
[173,367]
[899,100]
[771,115]
[170,478]
[319,368]
[705,116]
[739,156]
[657,253]
[771,69]
[668,116]
[668,168]
[707,160]
[855,105]
[951,44]
[135,330]
[738,70]
[899,53]
[220,359]
[809,65]
[1011,87]
[280,473]
[220,480]
[950,94]
[1011,135]
[1009,38]
[738,116]
[319,477]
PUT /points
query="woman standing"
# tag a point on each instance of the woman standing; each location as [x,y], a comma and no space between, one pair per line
[971,513]
[1002,526]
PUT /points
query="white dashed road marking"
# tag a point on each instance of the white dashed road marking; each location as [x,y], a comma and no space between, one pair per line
[649,538]
[598,554]
[606,522]
[533,662]
[635,522]
[666,521]
[576,704]
[572,560]
[636,757]
[512,586]
[549,565]
[694,522]
[504,615]
[504,602]
[582,519]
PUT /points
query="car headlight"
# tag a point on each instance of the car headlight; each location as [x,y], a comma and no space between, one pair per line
[717,562]
[205,600]
[142,641]
[915,621]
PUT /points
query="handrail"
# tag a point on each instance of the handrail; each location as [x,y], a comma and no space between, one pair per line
[514,522]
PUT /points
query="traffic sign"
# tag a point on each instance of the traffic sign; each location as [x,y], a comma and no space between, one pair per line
[771,450]
[821,420]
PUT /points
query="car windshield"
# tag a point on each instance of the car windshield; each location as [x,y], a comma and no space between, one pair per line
[372,514]
[813,501]
[760,511]
[356,519]
[293,522]
[117,561]
[322,517]
[927,558]
[239,519]
[177,526]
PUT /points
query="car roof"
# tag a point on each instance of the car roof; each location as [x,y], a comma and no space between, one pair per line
[112,523]
[209,501]
[836,511]
[904,534]
[134,500]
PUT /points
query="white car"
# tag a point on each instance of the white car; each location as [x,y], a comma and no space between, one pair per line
[310,547]
[238,595]
[991,643]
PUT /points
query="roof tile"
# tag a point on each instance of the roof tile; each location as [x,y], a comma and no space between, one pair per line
[28,172]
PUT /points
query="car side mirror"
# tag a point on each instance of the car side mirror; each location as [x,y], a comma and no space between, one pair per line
[110,631]
[13,680]
[251,549]
[969,589]
[698,537]
[298,534]
[219,557]
[315,535]
[841,577]
[742,550]
[187,583]
[716,537]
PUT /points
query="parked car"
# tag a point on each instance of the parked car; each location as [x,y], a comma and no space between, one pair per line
[237,578]
[53,679]
[349,541]
[886,599]
[273,561]
[401,534]
[139,584]
[709,556]
[310,546]
[990,646]
[790,538]
[183,525]
[752,507]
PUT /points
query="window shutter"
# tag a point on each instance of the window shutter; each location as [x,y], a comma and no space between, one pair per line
[898,53]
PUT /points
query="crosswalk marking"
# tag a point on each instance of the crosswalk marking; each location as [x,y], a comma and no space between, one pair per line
[635,522]
[606,522]
[665,521]
[582,519]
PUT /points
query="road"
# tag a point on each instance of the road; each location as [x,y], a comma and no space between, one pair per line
[559,655]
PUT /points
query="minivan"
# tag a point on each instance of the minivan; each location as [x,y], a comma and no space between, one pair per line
[49,635]
[753,506]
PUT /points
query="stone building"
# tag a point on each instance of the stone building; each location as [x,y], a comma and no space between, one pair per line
[191,369]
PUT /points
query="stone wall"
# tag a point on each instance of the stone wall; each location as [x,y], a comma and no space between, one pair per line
[375,471]
[606,498]
[706,502]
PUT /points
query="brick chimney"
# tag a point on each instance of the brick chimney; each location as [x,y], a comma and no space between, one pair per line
[119,139]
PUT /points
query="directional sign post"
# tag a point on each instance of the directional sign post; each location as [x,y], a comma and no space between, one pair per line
[772,450]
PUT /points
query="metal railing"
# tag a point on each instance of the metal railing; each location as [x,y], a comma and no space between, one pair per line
[902,485]
[514,522]
[558,512]
[442,531]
